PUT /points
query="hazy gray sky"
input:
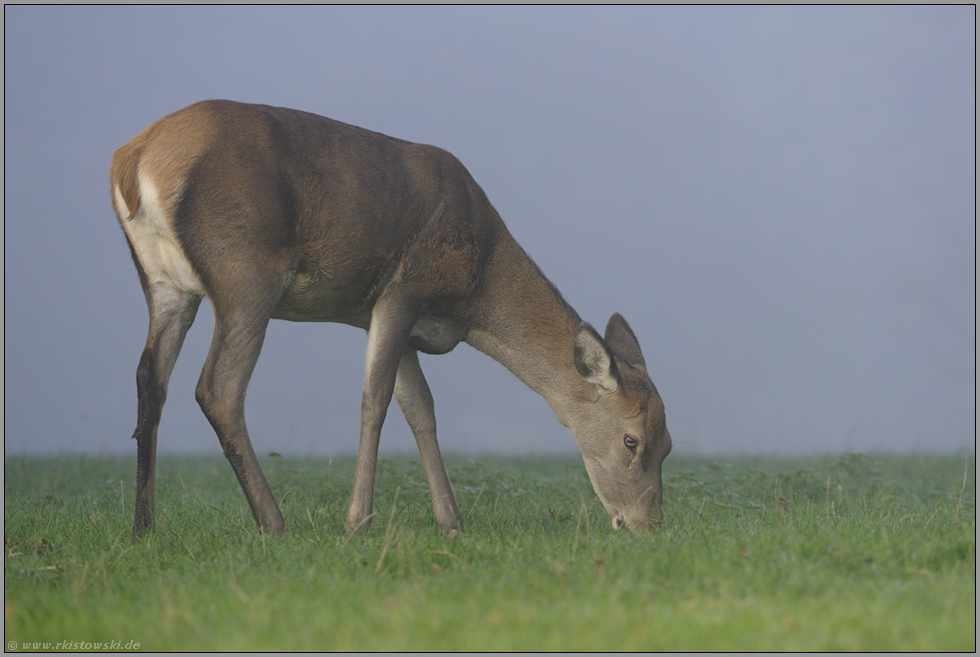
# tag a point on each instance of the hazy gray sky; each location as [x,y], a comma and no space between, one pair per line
[781,201]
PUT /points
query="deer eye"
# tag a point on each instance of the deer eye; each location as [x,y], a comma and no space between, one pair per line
[630,443]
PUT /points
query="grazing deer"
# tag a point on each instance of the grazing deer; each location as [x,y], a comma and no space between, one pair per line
[276,213]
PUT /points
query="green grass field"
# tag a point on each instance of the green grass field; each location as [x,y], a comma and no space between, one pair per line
[837,553]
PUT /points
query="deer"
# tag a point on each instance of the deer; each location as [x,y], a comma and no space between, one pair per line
[278,213]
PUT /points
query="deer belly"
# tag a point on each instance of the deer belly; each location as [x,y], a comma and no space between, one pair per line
[433,335]
[310,298]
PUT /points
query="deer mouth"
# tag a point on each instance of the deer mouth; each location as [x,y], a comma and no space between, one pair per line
[636,524]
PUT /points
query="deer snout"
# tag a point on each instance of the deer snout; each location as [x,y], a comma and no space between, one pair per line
[648,513]
[636,524]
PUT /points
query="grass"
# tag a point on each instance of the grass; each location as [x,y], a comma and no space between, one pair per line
[837,553]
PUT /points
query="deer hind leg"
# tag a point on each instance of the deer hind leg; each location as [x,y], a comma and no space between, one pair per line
[392,320]
[235,348]
[171,314]
[413,395]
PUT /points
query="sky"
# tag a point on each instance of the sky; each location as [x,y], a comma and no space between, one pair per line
[780,200]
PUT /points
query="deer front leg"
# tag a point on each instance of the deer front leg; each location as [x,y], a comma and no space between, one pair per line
[415,399]
[392,320]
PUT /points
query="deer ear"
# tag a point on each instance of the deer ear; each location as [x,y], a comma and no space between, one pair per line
[622,340]
[594,360]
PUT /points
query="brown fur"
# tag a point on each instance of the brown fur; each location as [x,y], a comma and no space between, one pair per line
[168,161]
[286,214]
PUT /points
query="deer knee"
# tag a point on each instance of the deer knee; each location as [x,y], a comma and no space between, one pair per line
[225,412]
[148,376]
[150,395]
[203,396]
[144,371]
[211,404]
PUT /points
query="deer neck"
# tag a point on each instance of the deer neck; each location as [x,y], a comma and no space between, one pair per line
[522,321]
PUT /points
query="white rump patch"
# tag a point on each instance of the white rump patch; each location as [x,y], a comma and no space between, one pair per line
[156,245]
[121,208]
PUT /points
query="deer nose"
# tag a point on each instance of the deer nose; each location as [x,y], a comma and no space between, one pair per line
[618,522]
